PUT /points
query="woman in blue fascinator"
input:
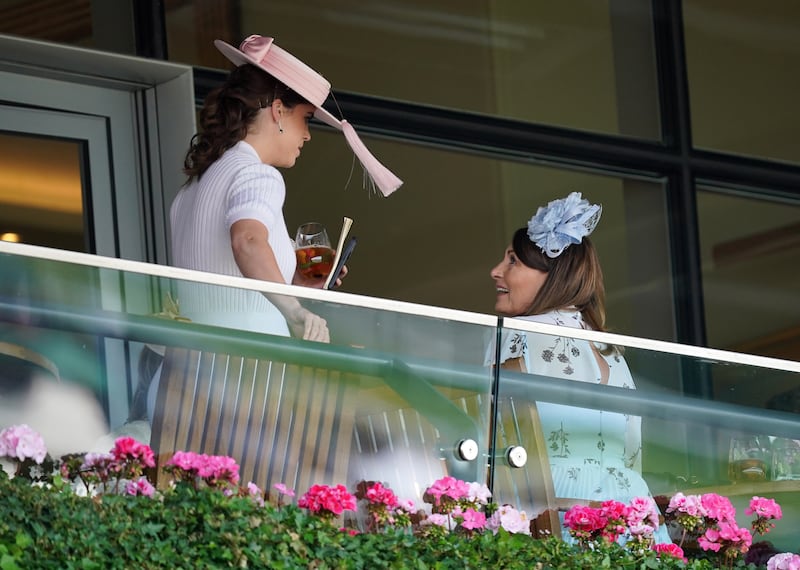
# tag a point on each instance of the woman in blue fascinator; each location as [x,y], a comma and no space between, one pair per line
[550,273]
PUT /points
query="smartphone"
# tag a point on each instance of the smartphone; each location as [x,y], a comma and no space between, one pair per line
[346,253]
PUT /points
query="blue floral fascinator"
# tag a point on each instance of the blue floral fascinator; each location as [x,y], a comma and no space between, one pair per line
[563,222]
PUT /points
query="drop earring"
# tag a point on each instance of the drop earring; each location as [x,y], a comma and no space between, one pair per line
[280,127]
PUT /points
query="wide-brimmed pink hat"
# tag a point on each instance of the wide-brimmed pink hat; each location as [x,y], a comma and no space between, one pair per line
[283,66]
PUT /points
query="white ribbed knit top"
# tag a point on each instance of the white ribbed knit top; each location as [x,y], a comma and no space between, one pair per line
[237,186]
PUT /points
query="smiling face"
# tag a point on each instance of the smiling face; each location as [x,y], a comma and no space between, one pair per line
[517,285]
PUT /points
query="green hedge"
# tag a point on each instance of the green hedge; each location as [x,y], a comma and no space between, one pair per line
[51,527]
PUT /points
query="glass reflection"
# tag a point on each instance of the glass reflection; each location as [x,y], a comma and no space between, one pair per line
[435,241]
[41,199]
[750,252]
[741,61]
[587,65]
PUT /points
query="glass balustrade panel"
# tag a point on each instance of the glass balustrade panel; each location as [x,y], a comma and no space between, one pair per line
[120,348]
[602,417]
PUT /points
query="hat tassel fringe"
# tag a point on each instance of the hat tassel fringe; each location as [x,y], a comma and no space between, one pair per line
[383,178]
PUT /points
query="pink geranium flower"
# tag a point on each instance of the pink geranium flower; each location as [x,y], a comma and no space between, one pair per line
[283,489]
[140,487]
[382,505]
[710,540]
[690,505]
[214,470]
[728,537]
[784,561]
[762,507]
[478,493]
[473,520]
[96,461]
[584,523]
[128,449]
[643,510]
[449,487]
[327,501]
[670,549]
[510,519]
[217,469]
[378,494]
[350,531]
[688,510]
[255,493]
[718,507]
[22,442]
[616,514]
[614,510]
[641,532]
[765,510]
[400,515]
[437,520]
[406,505]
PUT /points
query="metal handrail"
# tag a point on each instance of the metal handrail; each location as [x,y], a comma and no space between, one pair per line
[531,387]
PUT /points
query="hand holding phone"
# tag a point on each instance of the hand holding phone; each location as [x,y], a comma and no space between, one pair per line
[346,253]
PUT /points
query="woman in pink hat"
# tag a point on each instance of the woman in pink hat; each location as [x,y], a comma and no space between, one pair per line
[228,218]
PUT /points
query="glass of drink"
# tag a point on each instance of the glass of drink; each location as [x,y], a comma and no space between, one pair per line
[748,458]
[313,250]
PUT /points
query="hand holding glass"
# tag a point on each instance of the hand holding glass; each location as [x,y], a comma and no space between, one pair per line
[313,250]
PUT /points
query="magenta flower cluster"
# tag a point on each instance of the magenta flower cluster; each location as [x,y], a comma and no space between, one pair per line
[456,506]
[383,506]
[213,470]
[670,549]
[327,501]
[765,510]
[127,459]
[447,490]
[127,449]
[377,494]
[711,518]
[614,520]
[121,468]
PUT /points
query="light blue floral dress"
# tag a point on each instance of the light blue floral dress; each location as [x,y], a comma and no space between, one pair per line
[594,454]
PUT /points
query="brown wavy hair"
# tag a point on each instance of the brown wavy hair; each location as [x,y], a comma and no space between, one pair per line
[228,113]
[574,278]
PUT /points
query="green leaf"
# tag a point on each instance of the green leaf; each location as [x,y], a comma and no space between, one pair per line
[8,562]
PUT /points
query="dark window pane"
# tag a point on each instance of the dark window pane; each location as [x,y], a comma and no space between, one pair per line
[587,64]
[751,284]
[436,239]
[41,199]
[742,59]
[66,21]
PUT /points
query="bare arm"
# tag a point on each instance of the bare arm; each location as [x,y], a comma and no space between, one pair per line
[256,260]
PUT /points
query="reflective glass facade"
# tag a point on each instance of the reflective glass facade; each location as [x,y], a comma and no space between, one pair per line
[487,109]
